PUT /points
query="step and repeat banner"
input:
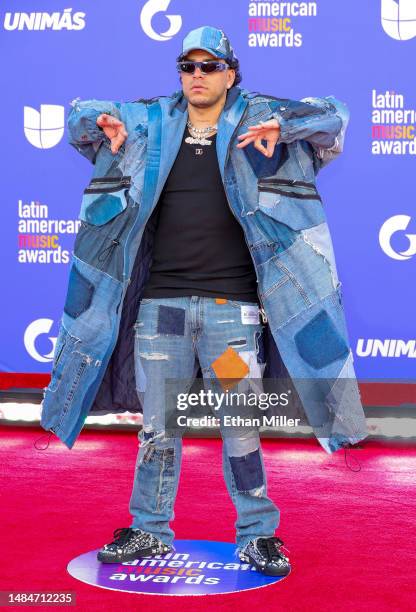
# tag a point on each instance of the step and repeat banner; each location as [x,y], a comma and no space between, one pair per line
[361,52]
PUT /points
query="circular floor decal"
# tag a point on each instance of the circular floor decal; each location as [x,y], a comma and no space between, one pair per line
[195,567]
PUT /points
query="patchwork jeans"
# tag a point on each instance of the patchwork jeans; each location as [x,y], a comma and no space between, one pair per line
[172,336]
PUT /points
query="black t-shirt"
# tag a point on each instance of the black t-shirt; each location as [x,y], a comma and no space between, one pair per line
[199,246]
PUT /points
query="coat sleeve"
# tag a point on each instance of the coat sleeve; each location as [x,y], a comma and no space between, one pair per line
[323,127]
[83,132]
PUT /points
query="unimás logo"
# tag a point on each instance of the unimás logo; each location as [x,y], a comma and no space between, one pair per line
[398,18]
[44,128]
[149,10]
[375,347]
[398,223]
[33,331]
[64,20]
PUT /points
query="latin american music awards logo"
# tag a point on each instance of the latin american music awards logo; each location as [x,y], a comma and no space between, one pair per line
[195,567]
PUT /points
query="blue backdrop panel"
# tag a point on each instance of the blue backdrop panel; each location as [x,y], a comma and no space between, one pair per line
[360,52]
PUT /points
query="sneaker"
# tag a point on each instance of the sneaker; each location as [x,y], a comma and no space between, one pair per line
[130,544]
[266,556]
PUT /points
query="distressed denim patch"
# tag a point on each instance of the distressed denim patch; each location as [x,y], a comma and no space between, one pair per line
[319,343]
[265,166]
[247,471]
[161,454]
[79,294]
[104,208]
[171,320]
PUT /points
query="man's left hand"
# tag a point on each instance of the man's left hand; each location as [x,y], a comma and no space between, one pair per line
[267,130]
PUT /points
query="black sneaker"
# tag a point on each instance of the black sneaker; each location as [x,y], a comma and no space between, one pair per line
[266,556]
[130,544]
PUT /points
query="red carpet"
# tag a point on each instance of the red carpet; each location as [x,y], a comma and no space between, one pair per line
[350,534]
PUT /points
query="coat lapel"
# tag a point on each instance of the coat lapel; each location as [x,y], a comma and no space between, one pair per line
[174,116]
[172,128]
[229,119]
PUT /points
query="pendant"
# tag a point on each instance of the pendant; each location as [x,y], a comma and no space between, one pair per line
[200,141]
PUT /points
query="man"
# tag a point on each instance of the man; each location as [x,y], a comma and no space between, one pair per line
[214,254]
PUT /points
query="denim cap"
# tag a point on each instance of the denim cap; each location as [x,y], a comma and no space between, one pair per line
[209,39]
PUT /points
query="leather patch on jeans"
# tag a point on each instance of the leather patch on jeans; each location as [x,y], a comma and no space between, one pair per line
[220,300]
[229,365]
[319,343]
[171,320]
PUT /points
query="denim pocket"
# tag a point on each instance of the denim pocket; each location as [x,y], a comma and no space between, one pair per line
[104,199]
[106,218]
[297,204]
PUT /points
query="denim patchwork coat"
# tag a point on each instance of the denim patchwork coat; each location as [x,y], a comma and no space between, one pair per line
[277,203]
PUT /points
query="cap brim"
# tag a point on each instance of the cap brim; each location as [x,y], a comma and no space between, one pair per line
[210,51]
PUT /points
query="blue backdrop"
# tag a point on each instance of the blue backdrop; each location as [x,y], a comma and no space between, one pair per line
[360,52]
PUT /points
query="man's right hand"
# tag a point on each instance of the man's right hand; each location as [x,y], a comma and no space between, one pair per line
[114,129]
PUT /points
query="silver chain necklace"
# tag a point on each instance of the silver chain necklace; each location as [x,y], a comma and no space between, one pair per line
[198,134]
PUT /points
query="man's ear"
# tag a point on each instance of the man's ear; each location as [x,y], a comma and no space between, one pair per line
[233,81]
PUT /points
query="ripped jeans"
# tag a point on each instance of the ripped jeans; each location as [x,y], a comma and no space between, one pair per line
[172,336]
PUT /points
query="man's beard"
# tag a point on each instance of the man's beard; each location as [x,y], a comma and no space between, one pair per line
[204,103]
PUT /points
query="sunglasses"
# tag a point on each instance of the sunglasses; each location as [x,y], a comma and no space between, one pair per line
[205,67]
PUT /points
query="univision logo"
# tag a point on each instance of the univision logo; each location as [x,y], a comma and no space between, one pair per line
[44,129]
[398,18]
[45,21]
[374,347]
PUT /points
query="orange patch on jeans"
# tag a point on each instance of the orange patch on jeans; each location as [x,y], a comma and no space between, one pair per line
[220,300]
[229,368]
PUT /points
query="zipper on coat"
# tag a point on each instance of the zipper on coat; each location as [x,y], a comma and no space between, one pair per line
[106,189]
[290,194]
[59,354]
[289,182]
[111,179]
[114,184]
